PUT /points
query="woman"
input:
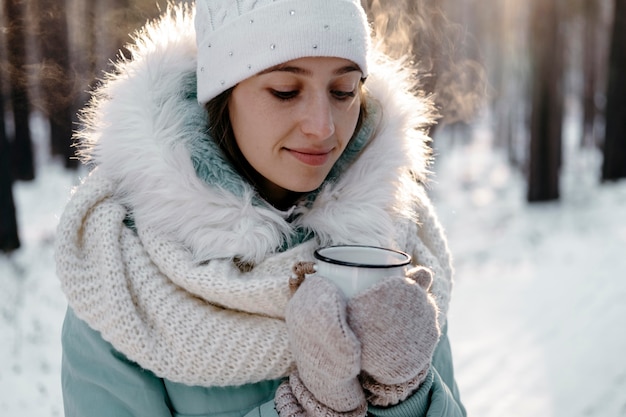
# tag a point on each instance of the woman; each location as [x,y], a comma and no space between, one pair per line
[223,157]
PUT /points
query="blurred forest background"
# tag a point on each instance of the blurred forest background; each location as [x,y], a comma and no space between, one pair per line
[525,65]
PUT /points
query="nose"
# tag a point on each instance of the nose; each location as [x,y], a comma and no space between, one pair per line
[317,119]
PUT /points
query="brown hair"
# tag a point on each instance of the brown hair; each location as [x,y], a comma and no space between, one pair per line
[221,131]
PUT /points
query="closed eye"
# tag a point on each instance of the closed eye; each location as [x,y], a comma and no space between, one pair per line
[285,95]
[343,95]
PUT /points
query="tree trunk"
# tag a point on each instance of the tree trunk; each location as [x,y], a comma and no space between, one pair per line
[23,167]
[547,102]
[614,164]
[9,238]
[57,78]
[119,23]
[590,71]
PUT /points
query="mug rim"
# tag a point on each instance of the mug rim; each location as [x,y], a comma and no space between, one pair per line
[326,259]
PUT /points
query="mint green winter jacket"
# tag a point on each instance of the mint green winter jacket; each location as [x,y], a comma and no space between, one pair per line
[98,381]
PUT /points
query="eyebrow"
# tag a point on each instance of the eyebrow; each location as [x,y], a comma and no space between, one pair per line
[303,71]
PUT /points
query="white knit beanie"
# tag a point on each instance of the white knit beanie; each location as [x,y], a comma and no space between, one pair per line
[239,38]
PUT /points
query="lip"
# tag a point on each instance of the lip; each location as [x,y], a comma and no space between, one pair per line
[311,157]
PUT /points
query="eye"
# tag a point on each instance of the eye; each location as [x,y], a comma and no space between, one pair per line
[343,95]
[284,95]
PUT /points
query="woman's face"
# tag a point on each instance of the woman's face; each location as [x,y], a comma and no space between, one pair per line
[293,121]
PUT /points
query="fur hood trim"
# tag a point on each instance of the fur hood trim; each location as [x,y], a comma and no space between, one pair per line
[137,131]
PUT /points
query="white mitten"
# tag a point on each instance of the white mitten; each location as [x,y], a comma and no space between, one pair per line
[396,323]
[326,352]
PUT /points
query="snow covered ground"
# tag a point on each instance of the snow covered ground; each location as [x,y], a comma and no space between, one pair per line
[538,316]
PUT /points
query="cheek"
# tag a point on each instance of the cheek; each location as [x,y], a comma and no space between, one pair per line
[347,123]
[244,122]
[255,134]
[251,116]
[248,142]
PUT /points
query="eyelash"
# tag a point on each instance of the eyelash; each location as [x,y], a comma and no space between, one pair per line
[344,95]
[285,95]
[290,95]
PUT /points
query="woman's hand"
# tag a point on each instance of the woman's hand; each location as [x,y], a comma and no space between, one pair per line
[326,352]
[396,323]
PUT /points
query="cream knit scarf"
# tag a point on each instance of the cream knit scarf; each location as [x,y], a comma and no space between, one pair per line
[207,324]
[202,324]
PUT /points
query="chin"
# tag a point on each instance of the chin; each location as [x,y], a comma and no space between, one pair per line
[305,188]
